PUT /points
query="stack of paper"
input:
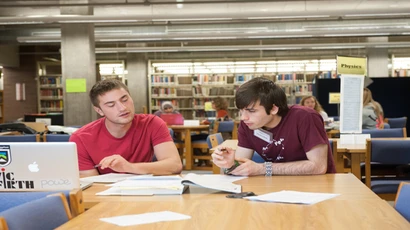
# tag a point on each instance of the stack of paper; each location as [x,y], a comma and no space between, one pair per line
[293,197]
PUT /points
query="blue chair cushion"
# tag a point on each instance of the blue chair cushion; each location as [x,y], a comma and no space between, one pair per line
[257,158]
[385,186]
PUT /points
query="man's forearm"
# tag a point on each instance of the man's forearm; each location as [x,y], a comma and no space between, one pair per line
[163,167]
[304,167]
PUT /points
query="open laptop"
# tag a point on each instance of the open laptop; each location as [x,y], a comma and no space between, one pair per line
[173,118]
[34,166]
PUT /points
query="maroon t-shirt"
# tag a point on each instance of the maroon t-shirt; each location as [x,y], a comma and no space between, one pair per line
[298,132]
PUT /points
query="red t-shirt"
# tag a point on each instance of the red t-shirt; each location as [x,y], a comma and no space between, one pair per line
[222,113]
[298,132]
[94,142]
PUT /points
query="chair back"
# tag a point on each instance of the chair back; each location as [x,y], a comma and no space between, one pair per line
[56,137]
[399,122]
[45,213]
[214,140]
[402,202]
[386,126]
[393,132]
[386,152]
[11,199]
[20,138]
[257,158]
[223,126]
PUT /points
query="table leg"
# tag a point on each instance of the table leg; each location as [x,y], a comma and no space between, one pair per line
[188,150]
[356,165]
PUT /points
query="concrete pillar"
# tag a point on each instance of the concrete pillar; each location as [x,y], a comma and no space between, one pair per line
[137,80]
[78,62]
[378,59]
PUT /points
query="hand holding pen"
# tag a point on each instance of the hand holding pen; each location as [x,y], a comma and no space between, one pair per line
[223,157]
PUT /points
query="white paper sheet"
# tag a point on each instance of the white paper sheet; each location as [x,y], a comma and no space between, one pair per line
[293,197]
[109,178]
[351,103]
[145,218]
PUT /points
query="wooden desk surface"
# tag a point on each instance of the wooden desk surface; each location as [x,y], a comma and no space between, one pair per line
[356,208]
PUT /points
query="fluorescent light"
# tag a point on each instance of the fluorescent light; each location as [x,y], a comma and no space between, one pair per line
[99,21]
[290,17]
[372,15]
[191,19]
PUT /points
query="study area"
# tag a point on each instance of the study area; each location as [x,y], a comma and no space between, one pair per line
[204,114]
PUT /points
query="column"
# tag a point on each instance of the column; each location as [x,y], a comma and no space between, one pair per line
[137,79]
[378,59]
[78,62]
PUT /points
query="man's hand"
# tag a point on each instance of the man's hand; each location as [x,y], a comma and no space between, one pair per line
[116,163]
[223,157]
[248,168]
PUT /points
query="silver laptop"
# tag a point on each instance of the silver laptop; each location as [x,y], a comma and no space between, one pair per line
[36,166]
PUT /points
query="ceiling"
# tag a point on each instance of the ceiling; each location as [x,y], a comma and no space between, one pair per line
[215,29]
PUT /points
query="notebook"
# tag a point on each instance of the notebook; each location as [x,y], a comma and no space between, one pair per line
[173,118]
[36,166]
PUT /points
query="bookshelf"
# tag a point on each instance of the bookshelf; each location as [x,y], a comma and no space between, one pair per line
[188,85]
[401,67]
[50,87]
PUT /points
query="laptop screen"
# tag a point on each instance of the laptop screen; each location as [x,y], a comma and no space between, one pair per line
[38,166]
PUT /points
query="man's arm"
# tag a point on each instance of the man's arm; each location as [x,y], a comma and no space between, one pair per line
[315,164]
[168,162]
[87,173]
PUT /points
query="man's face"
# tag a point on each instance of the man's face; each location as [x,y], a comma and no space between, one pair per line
[117,106]
[255,116]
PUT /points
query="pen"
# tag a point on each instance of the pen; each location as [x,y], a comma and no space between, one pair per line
[96,166]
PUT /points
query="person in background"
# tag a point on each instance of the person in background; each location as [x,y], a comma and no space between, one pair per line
[291,139]
[122,141]
[166,107]
[221,107]
[372,116]
[313,103]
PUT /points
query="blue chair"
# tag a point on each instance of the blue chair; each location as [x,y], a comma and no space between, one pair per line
[393,132]
[399,122]
[48,212]
[402,202]
[56,137]
[386,126]
[384,162]
[11,199]
[20,138]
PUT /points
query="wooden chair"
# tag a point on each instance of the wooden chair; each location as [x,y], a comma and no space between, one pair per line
[178,143]
[383,164]
[402,202]
[56,137]
[11,199]
[47,212]
[21,138]
[399,122]
[226,128]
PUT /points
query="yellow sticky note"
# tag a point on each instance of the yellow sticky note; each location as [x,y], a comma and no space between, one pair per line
[334,98]
[76,85]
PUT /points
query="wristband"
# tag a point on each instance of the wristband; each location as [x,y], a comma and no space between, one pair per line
[229,170]
[268,168]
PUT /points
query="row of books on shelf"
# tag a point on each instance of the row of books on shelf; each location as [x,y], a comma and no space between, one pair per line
[402,73]
[52,104]
[44,80]
[298,89]
[166,79]
[51,92]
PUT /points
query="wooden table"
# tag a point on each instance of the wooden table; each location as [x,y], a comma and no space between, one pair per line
[356,207]
[186,130]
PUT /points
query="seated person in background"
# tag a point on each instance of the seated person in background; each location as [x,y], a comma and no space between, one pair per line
[313,103]
[291,140]
[122,141]
[372,116]
[166,107]
[221,107]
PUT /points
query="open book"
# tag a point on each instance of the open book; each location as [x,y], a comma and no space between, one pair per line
[171,185]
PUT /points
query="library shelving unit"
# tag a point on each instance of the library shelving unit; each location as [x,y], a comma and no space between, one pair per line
[189,85]
[401,67]
[49,87]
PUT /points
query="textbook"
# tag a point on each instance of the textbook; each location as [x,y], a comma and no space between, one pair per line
[170,185]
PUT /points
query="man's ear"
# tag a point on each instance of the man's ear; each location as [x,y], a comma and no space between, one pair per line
[98,110]
[274,110]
